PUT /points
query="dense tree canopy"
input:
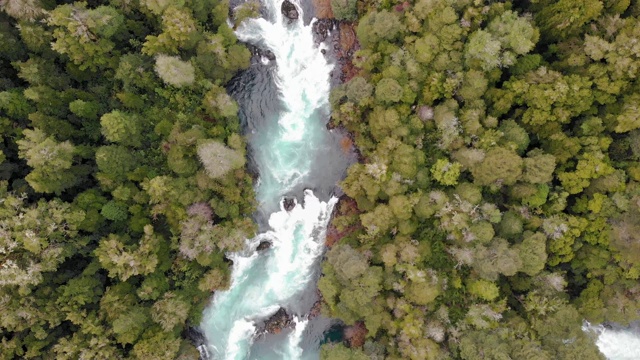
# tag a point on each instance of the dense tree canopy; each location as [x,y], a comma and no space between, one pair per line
[496,204]
[514,216]
[113,220]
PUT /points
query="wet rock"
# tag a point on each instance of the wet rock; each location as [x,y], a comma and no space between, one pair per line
[278,321]
[317,306]
[194,335]
[204,352]
[260,52]
[269,55]
[289,204]
[289,10]
[264,245]
[321,29]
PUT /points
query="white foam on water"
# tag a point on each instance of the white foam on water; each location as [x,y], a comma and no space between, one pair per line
[303,81]
[294,350]
[240,339]
[616,344]
[263,283]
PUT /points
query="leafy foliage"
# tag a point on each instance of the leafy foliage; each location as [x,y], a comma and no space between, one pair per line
[509,217]
[101,116]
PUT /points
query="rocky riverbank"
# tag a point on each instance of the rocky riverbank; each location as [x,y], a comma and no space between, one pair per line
[346,207]
[277,322]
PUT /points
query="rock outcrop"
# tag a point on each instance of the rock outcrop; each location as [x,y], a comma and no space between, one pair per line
[322,27]
[278,321]
[264,245]
[289,10]
[289,204]
[269,55]
[260,52]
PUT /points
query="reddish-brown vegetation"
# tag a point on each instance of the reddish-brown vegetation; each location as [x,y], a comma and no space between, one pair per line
[345,207]
[346,144]
[348,45]
[355,335]
[323,9]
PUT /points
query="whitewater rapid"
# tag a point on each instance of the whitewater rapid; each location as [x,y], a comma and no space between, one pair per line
[284,105]
[616,342]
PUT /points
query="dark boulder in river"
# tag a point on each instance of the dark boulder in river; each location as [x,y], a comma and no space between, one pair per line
[278,321]
[321,29]
[289,10]
[194,335]
[270,55]
[264,245]
[289,204]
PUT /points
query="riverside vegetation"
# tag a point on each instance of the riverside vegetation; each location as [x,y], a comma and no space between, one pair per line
[496,205]
[123,176]
[498,196]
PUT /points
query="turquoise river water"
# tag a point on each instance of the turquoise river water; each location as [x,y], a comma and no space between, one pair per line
[284,106]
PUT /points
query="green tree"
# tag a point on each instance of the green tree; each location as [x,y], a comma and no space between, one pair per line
[565,18]
[445,172]
[53,163]
[250,9]
[344,9]
[122,128]
[114,163]
[532,252]
[347,263]
[474,85]
[340,352]
[14,104]
[484,50]
[484,289]
[156,344]
[514,136]
[378,25]
[500,166]
[85,34]
[359,90]
[497,258]
[129,325]
[218,103]
[85,109]
[179,31]
[388,90]
[538,167]
[123,259]
[170,311]
[590,166]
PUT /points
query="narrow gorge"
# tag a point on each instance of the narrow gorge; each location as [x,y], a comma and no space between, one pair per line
[284,105]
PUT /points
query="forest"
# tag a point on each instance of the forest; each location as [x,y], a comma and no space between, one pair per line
[496,204]
[122,175]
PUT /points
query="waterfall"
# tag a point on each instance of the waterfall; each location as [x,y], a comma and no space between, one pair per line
[284,106]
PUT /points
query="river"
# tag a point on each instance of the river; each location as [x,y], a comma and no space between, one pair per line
[284,107]
[616,342]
